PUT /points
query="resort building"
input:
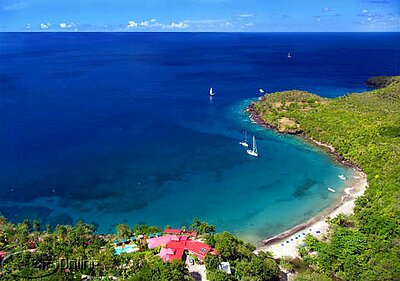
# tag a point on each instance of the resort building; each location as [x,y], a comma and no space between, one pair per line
[180,232]
[174,246]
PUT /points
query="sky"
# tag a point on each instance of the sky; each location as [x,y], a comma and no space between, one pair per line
[200,15]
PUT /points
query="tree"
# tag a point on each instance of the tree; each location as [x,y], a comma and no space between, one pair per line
[36,225]
[202,227]
[124,231]
[219,275]
[212,261]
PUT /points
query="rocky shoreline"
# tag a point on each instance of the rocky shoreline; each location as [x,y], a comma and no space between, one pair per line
[331,150]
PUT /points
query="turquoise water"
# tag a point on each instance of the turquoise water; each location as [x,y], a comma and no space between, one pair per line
[125,249]
[119,128]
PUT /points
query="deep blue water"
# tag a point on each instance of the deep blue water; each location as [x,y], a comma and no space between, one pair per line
[119,128]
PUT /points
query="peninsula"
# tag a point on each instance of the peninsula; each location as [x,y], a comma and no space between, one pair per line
[361,130]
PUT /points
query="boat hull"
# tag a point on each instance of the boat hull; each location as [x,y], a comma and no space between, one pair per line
[245,144]
[252,153]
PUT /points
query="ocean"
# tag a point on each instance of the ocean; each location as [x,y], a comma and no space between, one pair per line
[119,127]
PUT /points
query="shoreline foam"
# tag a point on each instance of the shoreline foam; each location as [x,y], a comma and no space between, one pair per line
[286,243]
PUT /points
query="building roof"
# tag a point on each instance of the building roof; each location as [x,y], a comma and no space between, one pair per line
[168,254]
[158,241]
[180,232]
[177,244]
[225,266]
[198,248]
[190,233]
[173,230]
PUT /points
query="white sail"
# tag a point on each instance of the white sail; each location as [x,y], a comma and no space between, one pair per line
[254,151]
[289,55]
[244,143]
[254,145]
[211,92]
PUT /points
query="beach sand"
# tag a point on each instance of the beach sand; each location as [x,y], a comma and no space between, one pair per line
[286,244]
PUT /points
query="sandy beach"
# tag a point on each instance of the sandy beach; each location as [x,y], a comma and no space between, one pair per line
[286,243]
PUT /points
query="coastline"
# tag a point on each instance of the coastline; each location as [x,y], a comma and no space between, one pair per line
[286,243]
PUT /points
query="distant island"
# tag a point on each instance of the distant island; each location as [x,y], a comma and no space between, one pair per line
[360,129]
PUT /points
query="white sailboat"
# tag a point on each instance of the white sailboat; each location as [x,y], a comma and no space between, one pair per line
[211,92]
[289,55]
[261,90]
[244,143]
[253,152]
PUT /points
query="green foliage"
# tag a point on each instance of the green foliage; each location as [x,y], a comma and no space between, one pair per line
[81,242]
[245,265]
[202,227]
[212,261]
[218,275]
[232,248]
[364,129]
[261,267]
[124,231]
[311,276]
[145,229]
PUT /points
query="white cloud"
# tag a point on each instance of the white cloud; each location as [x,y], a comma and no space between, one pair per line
[250,24]
[10,5]
[174,25]
[150,24]
[144,23]
[327,9]
[28,26]
[364,11]
[228,24]
[45,25]
[246,15]
[132,24]
[180,25]
[65,25]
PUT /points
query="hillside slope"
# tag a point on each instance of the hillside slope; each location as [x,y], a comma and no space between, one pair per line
[365,129]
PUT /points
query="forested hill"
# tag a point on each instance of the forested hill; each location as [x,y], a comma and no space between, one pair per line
[365,129]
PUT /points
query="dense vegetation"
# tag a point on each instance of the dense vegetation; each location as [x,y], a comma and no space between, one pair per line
[365,129]
[245,265]
[28,248]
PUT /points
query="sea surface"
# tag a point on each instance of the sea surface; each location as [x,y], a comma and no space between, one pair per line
[119,127]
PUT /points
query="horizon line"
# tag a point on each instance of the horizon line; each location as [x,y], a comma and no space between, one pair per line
[116,31]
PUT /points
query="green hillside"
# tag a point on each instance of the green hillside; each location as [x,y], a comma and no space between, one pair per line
[365,129]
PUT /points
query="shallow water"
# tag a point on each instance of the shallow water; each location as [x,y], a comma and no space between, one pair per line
[119,128]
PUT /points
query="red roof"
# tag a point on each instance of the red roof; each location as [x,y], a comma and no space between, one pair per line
[184,238]
[176,245]
[198,248]
[178,253]
[180,232]
[190,233]
[173,230]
